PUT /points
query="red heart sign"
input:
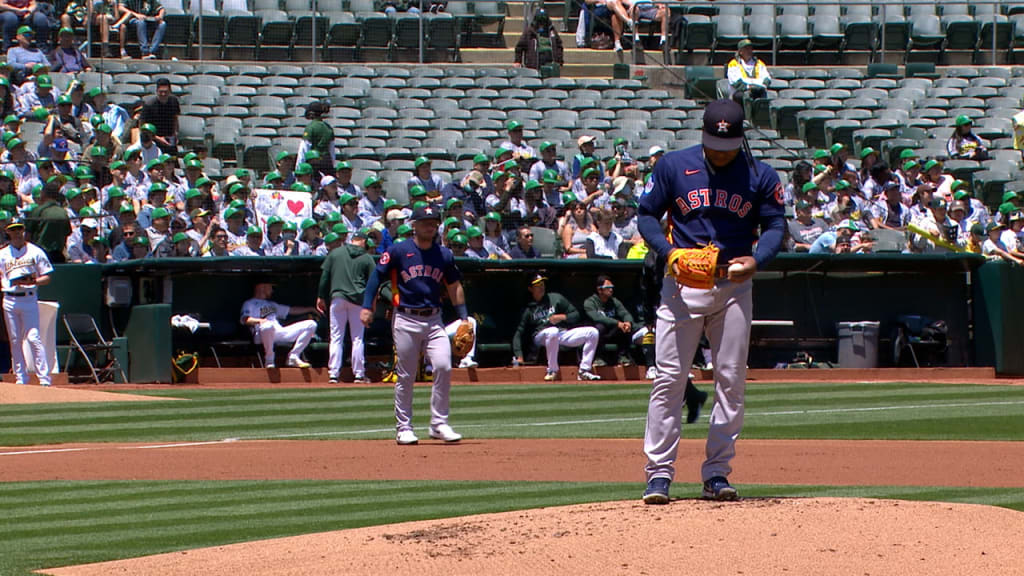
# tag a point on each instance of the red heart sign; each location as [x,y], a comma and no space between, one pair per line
[295,206]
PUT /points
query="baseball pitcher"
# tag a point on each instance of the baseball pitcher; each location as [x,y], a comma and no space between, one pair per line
[716,197]
[24,267]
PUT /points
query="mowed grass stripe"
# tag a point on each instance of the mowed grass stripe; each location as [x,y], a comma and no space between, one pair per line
[774,411]
[199,514]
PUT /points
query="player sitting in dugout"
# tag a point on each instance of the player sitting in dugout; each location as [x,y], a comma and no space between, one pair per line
[614,322]
[550,321]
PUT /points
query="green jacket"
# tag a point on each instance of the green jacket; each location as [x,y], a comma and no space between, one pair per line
[319,135]
[344,274]
[535,318]
[606,313]
[48,226]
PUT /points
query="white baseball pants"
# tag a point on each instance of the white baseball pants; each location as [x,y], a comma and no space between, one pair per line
[412,334]
[452,328]
[344,312]
[272,333]
[551,338]
[724,313]
[22,316]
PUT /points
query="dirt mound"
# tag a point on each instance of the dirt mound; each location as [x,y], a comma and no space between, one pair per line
[15,394]
[824,537]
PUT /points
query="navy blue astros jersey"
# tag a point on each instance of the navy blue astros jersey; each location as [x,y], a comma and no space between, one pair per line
[417,275]
[705,205]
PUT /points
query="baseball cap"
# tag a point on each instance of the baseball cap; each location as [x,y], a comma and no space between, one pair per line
[425,213]
[147,127]
[331,238]
[141,240]
[342,165]
[836,148]
[95,91]
[963,119]
[340,229]
[84,173]
[458,238]
[300,187]
[474,232]
[64,99]
[809,186]
[537,278]
[417,191]
[421,161]
[369,182]
[307,224]
[282,155]
[993,225]
[866,151]
[931,164]
[203,181]
[501,151]
[303,168]
[510,165]
[909,165]
[403,229]
[389,203]
[549,176]
[842,185]
[15,223]
[345,198]
[198,213]
[198,165]
[72,193]
[908,153]
[452,202]
[744,43]
[115,192]
[514,125]
[620,184]
[154,163]
[938,203]
[584,139]
[655,150]
[233,213]
[820,154]
[723,125]
[272,176]
[849,225]
[958,184]
[327,181]
[481,159]
[1009,195]
[159,212]
[395,215]
[98,151]
[977,229]
[961,195]
[545,145]
[125,208]
[804,205]
[275,219]
[253,231]
[333,217]
[590,172]
[475,177]
[14,143]
[451,221]
[26,31]
[237,188]
[179,237]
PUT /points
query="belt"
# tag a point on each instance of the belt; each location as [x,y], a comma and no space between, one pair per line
[424,312]
[26,293]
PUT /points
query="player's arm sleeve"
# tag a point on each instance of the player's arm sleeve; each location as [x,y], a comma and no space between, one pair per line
[652,207]
[772,218]
[517,339]
[572,315]
[452,274]
[245,313]
[283,310]
[372,284]
[622,312]
[324,288]
[43,266]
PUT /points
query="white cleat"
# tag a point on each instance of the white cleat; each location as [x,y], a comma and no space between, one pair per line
[468,362]
[444,432]
[652,373]
[298,363]
[406,438]
[587,375]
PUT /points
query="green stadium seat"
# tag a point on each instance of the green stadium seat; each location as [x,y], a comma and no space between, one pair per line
[811,126]
[700,82]
[275,36]
[961,31]
[895,33]
[376,30]
[728,33]
[700,33]
[840,130]
[926,34]
[792,32]
[310,31]
[784,116]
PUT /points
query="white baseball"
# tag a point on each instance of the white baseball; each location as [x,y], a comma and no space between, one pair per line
[735,268]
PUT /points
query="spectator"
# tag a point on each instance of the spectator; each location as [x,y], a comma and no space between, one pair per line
[141,13]
[182,246]
[549,161]
[70,125]
[551,185]
[458,245]
[1010,234]
[350,211]
[494,236]
[327,199]
[79,247]
[937,223]
[889,211]
[805,229]
[964,144]
[253,243]
[523,248]
[103,18]
[594,195]
[40,96]
[159,230]
[318,137]
[162,111]
[200,228]
[122,249]
[747,74]
[875,185]
[475,245]
[613,321]
[22,18]
[576,227]
[846,205]
[469,192]
[113,115]
[7,100]
[976,209]
[932,174]
[66,57]
[371,204]
[586,146]
[432,183]
[140,247]
[868,158]
[80,108]
[547,322]
[391,7]
[147,145]
[604,12]
[604,242]
[515,142]
[540,46]
[994,248]
[234,219]
[844,239]
[648,11]
[218,244]
[48,224]
[909,177]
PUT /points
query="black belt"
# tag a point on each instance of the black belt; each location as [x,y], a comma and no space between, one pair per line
[425,312]
[30,293]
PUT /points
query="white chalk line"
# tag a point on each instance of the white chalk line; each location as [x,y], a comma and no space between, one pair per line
[518,425]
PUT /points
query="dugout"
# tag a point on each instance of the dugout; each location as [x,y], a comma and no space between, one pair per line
[975,298]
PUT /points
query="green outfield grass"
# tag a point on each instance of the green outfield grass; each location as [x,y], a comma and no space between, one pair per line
[849,411]
[48,524]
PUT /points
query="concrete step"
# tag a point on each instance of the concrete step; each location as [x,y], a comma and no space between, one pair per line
[571,55]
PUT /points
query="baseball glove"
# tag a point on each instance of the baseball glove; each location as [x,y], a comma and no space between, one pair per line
[462,342]
[694,267]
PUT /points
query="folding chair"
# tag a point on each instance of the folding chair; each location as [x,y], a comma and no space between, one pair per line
[88,341]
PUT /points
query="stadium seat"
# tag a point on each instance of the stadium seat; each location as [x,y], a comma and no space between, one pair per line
[275,36]
[926,34]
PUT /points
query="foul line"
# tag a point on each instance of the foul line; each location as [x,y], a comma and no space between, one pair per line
[516,425]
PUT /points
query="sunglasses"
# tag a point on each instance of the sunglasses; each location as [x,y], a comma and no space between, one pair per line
[221,237]
[527,235]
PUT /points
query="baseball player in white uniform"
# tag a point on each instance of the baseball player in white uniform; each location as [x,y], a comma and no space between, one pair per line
[713,193]
[25,267]
[262,315]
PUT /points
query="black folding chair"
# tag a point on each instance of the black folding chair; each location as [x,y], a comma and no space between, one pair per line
[90,343]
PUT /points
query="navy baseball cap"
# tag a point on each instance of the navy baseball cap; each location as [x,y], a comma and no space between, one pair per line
[723,125]
[426,213]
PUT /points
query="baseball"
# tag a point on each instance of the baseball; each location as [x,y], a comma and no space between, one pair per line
[735,268]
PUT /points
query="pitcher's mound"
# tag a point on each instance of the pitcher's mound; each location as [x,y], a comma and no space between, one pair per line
[15,394]
[758,537]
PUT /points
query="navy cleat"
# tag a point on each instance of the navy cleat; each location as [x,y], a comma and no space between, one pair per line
[718,488]
[657,491]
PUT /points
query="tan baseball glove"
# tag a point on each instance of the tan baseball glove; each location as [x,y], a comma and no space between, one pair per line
[462,342]
[694,267]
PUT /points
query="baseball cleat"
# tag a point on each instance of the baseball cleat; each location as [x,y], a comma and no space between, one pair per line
[444,432]
[587,375]
[298,363]
[361,380]
[468,362]
[652,373]
[332,380]
[270,366]
[550,376]
[406,438]
[657,491]
[693,406]
[718,488]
